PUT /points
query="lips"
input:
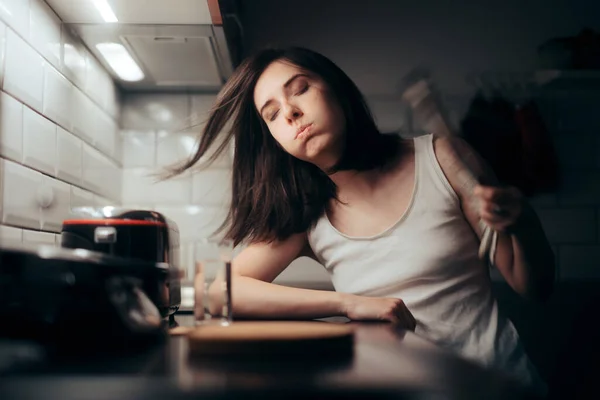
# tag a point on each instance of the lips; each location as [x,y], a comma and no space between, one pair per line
[303,130]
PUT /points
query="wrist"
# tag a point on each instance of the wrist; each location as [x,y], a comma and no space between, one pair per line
[344,303]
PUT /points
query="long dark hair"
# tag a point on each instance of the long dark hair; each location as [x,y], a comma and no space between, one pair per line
[274,194]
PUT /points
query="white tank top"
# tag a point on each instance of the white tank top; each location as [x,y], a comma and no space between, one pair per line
[428,258]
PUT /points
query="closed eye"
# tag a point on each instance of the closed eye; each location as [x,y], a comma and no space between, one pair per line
[303,90]
[274,116]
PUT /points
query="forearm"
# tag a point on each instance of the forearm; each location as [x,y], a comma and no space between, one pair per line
[253,298]
[533,262]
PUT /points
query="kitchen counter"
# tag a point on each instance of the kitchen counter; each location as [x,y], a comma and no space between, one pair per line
[387,363]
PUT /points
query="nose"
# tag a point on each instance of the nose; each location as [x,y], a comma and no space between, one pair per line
[292,112]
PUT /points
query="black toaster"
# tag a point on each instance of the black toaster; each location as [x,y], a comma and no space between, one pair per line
[135,234]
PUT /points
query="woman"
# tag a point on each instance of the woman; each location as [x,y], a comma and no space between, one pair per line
[387,217]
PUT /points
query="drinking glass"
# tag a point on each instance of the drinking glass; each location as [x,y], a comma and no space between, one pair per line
[212,281]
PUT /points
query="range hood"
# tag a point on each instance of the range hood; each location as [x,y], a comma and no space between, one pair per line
[179,45]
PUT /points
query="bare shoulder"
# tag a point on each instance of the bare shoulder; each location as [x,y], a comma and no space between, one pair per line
[455,157]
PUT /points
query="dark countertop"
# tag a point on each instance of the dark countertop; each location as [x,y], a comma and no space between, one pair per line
[386,363]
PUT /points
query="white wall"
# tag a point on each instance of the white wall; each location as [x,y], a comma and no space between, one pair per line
[58,124]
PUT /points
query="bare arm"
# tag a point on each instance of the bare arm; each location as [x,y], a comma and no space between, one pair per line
[254,296]
[523,255]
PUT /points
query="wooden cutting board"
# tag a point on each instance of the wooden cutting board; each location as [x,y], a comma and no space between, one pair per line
[275,338]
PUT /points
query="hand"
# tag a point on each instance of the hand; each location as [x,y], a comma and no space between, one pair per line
[363,308]
[499,207]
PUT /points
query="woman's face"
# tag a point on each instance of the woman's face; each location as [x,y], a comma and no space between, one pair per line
[301,113]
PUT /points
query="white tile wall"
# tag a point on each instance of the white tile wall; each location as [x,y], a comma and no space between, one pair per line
[46,114]
[100,174]
[83,115]
[194,222]
[34,237]
[58,97]
[39,142]
[140,188]
[81,198]
[21,186]
[69,153]
[45,31]
[139,149]
[169,112]
[74,58]
[11,128]
[24,71]
[212,187]
[16,14]
[58,211]
[2,50]
[96,84]
[174,147]
[106,133]
[10,235]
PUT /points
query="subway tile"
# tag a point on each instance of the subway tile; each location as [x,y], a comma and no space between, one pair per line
[24,72]
[168,112]
[97,83]
[101,201]
[53,216]
[194,222]
[39,238]
[39,142]
[211,187]
[174,148]
[15,13]
[114,185]
[139,148]
[20,205]
[140,187]
[201,104]
[74,58]
[69,156]
[11,128]
[45,31]
[137,186]
[112,105]
[83,116]
[579,188]
[10,235]
[81,198]
[58,97]
[2,51]
[580,262]
[106,133]
[577,225]
[100,174]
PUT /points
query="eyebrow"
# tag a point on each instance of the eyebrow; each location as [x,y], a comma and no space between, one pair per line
[285,86]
